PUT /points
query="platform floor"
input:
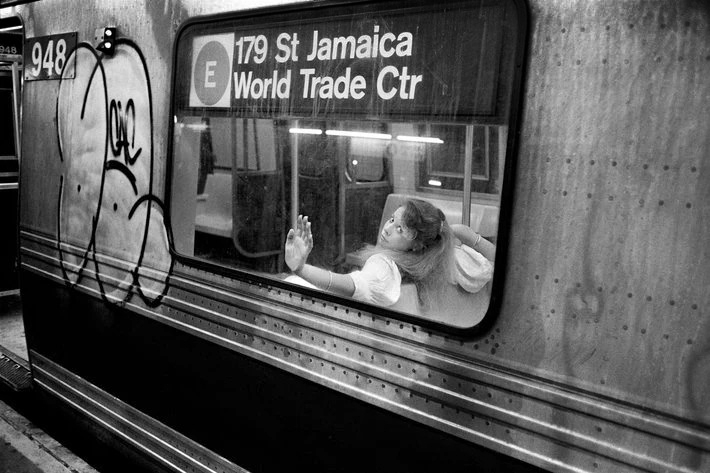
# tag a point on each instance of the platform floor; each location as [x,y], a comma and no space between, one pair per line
[12,330]
[24,447]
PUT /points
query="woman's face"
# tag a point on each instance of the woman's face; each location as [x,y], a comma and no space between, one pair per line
[395,235]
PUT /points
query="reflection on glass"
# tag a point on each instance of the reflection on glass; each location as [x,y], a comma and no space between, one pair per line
[251,178]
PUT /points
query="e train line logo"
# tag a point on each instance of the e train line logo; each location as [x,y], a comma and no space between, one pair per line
[108,214]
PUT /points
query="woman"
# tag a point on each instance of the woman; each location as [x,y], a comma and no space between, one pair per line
[415,245]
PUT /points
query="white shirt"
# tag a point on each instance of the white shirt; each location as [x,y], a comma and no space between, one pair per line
[471,270]
[378,282]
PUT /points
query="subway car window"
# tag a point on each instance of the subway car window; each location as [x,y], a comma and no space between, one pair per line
[386,124]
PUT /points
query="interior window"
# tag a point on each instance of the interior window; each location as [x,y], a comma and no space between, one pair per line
[444,164]
[345,117]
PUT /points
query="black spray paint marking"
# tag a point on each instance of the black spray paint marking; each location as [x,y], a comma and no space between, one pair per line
[120,134]
[120,124]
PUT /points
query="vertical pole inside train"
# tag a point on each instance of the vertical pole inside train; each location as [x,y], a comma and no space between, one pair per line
[294,178]
[16,108]
[467,167]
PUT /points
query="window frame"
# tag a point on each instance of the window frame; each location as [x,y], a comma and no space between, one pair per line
[519,62]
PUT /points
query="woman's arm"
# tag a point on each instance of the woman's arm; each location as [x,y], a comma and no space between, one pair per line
[473,240]
[327,280]
[299,244]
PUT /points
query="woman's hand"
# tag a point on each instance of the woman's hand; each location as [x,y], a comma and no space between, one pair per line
[474,240]
[299,243]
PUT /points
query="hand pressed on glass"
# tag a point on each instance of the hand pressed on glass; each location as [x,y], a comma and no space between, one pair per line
[299,243]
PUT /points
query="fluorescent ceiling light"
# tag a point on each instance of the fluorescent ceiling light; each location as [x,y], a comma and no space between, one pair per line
[196,126]
[434,182]
[420,139]
[306,131]
[358,134]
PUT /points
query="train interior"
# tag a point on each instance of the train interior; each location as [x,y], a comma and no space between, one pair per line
[252,177]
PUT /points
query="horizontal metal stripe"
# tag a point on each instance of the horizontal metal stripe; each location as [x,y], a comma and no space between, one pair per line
[8,185]
[104,260]
[447,357]
[417,353]
[116,431]
[441,394]
[364,395]
[143,431]
[657,425]
[546,437]
[510,383]
[110,283]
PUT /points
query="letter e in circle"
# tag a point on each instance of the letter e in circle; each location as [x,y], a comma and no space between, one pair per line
[211,75]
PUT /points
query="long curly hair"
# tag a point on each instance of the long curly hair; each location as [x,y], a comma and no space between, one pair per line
[427,265]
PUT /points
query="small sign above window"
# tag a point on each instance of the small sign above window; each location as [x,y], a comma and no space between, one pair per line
[45,57]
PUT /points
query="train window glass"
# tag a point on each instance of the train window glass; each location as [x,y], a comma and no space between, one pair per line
[7,146]
[345,116]
[443,166]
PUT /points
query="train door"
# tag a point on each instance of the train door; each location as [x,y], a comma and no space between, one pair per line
[10,86]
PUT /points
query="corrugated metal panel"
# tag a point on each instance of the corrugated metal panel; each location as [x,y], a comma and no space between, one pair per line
[611,218]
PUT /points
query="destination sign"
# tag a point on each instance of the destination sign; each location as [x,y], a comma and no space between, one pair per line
[400,63]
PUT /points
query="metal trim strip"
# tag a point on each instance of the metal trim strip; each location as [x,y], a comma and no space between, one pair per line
[187,316]
[504,380]
[146,433]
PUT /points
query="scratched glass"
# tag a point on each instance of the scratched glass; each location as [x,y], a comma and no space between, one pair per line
[344,119]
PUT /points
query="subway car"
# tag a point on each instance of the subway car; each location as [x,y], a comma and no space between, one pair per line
[168,148]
